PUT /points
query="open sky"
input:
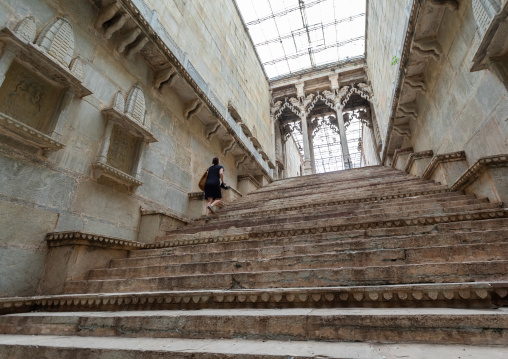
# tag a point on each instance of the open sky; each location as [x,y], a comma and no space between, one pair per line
[294,35]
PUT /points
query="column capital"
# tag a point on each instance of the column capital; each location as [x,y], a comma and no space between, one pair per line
[300,92]
[334,81]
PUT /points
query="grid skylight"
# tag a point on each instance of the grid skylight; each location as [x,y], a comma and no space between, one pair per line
[295,35]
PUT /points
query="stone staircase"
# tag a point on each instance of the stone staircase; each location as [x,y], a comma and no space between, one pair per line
[365,263]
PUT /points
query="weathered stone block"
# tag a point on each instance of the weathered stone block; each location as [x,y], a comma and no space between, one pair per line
[21,270]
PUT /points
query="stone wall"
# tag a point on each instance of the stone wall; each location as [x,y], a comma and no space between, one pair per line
[41,193]
[293,164]
[216,42]
[385,36]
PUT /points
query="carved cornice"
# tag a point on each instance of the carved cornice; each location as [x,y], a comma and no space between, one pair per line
[443,158]
[59,239]
[399,152]
[47,65]
[196,195]
[14,128]
[417,156]
[476,170]
[101,169]
[129,123]
[415,295]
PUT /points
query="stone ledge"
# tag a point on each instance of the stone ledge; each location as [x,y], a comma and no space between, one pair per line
[443,158]
[101,169]
[477,169]
[417,156]
[19,130]
[59,239]
[399,152]
[477,294]
[151,212]
[331,228]
[45,64]
[129,123]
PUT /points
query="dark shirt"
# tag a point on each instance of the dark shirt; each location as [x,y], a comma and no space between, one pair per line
[213,175]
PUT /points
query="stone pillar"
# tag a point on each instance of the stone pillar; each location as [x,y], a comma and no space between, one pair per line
[312,158]
[63,115]
[307,168]
[6,60]
[103,157]
[343,139]
[139,165]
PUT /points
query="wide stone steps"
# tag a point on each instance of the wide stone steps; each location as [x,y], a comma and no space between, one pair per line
[451,272]
[416,325]
[366,215]
[336,193]
[447,199]
[437,254]
[256,250]
[354,239]
[73,347]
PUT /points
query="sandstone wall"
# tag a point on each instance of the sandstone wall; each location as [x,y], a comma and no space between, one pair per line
[58,193]
[217,44]
[386,22]
[462,110]
[293,159]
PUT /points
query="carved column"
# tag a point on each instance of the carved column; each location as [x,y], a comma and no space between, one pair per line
[312,157]
[343,139]
[307,168]
[103,157]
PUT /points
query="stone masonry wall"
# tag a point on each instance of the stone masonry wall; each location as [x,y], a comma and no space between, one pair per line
[217,44]
[58,193]
[385,32]
[462,110]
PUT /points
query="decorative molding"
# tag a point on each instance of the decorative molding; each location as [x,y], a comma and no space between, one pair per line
[59,239]
[28,135]
[45,64]
[417,156]
[196,195]
[212,130]
[428,47]
[478,294]
[130,124]
[476,170]
[191,108]
[399,152]
[101,169]
[57,40]
[443,158]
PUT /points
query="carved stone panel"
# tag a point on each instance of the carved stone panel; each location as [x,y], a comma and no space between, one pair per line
[122,150]
[28,98]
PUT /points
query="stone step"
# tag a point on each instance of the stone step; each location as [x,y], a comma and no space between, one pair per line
[436,254]
[357,239]
[407,210]
[445,295]
[495,270]
[82,347]
[391,325]
[331,223]
[334,193]
[440,199]
[255,249]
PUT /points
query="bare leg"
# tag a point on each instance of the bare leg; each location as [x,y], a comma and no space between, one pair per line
[210,200]
[216,202]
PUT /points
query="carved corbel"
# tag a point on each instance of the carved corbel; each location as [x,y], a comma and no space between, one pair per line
[191,108]
[129,39]
[167,76]
[428,48]
[137,46]
[228,147]
[408,109]
[115,25]
[240,160]
[106,14]
[449,4]
[402,130]
[416,83]
[211,130]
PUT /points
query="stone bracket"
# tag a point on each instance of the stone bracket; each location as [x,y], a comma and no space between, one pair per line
[212,130]
[228,147]
[191,108]
[165,76]
[129,123]
[101,169]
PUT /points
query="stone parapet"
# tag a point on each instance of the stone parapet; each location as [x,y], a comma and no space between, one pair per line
[400,157]
[417,162]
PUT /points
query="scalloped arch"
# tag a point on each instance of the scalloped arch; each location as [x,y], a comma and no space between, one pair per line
[135,106]
[57,39]
[119,101]
[26,29]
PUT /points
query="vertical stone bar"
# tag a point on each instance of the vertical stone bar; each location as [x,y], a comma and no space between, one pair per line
[312,157]
[103,157]
[343,139]
[307,169]
[139,165]
[63,114]
[5,60]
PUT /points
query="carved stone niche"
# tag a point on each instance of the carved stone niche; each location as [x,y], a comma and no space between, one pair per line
[38,80]
[126,137]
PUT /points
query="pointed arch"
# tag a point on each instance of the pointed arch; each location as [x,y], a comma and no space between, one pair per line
[57,39]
